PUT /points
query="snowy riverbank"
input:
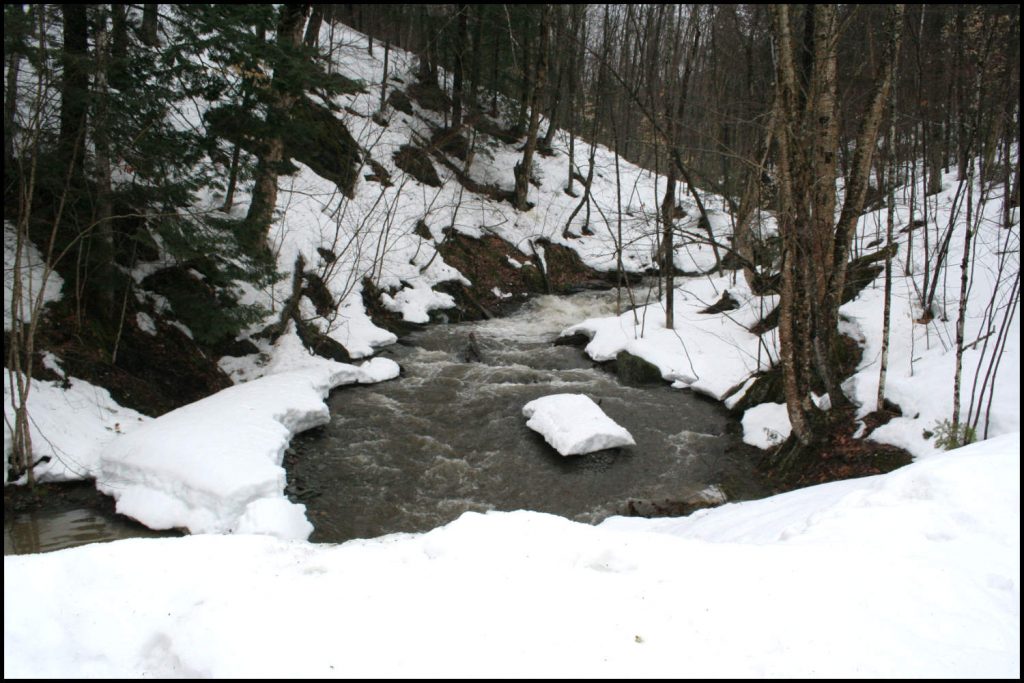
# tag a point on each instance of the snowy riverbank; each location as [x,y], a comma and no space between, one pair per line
[213,466]
[915,573]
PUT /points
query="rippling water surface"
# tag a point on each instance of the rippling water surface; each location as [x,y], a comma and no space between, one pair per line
[449,436]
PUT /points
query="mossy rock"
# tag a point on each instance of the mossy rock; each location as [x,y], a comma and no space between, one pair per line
[533,279]
[319,294]
[566,270]
[767,323]
[379,173]
[382,317]
[452,142]
[417,163]
[423,231]
[430,96]
[320,140]
[400,102]
[320,344]
[468,307]
[767,388]
[635,370]
[152,374]
[726,303]
[578,340]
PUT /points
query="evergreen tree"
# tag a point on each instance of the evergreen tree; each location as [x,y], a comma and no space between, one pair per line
[150,129]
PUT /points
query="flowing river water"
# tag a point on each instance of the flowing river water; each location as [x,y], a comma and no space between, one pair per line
[449,436]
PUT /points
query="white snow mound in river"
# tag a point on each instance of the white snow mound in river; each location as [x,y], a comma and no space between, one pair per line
[573,424]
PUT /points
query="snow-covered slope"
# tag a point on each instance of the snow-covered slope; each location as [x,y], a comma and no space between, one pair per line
[373,234]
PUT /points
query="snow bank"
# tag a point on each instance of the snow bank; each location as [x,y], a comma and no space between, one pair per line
[766,425]
[922,357]
[709,353]
[911,574]
[214,466]
[573,424]
[71,425]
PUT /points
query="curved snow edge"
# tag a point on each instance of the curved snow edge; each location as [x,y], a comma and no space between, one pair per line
[213,465]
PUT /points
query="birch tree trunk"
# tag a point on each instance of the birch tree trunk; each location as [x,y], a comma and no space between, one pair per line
[816,246]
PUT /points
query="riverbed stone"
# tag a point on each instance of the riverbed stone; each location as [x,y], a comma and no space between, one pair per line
[635,370]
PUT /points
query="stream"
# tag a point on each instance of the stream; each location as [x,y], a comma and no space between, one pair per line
[449,436]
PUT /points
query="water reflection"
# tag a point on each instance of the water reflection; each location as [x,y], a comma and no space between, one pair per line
[44,531]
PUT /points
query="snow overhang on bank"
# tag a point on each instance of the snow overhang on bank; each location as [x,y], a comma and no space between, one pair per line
[708,353]
[214,466]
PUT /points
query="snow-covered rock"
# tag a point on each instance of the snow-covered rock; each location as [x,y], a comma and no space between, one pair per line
[573,424]
[766,425]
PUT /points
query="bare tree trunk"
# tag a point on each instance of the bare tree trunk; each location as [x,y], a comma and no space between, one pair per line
[150,30]
[316,20]
[102,236]
[494,78]
[75,91]
[229,198]
[427,71]
[743,240]
[619,270]
[668,211]
[578,22]
[522,170]
[462,37]
[555,95]
[856,192]
[10,108]
[384,78]
[525,91]
[474,69]
[890,218]
[264,193]
[965,264]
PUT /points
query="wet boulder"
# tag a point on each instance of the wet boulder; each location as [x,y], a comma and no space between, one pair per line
[635,370]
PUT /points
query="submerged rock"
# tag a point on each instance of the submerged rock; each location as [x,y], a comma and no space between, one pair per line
[708,497]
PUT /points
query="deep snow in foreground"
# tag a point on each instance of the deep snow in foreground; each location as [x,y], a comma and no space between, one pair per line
[913,573]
